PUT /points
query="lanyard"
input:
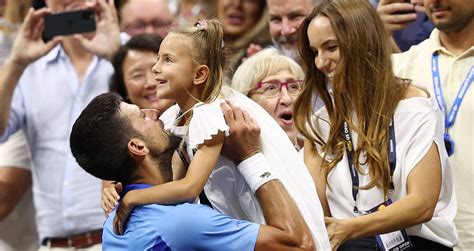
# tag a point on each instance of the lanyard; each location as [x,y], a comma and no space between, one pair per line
[392,159]
[451,114]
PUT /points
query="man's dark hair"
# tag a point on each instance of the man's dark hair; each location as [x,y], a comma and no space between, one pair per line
[99,140]
[144,43]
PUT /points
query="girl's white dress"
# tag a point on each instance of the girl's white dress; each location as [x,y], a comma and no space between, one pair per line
[226,189]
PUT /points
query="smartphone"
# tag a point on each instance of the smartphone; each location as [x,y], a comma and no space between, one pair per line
[405,11]
[68,23]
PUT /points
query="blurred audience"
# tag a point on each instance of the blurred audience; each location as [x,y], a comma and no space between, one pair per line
[17,213]
[285,20]
[444,63]
[403,22]
[13,14]
[188,12]
[273,81]
[133,78]
[43,88]
[244,22]
[145,16]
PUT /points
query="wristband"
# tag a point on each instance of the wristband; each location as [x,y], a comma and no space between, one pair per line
[256,171]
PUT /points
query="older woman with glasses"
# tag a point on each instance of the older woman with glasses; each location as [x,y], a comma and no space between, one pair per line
[273,81]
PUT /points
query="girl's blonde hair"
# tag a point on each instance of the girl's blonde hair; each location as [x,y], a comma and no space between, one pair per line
[207,48]
[261,65]
[365,90]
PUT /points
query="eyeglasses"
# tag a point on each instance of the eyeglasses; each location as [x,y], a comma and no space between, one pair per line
[140,27]
[272,88]
[151,114]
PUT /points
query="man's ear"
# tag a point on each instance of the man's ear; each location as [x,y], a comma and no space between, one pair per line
[201,74]
[137,148]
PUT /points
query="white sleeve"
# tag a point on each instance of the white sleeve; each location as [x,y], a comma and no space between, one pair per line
[207,121]
[420,129]
[14,152]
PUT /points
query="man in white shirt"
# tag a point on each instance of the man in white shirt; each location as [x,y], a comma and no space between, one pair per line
[444,64]
[43,88]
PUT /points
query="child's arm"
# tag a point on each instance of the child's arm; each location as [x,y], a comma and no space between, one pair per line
[189,187]
[185,189]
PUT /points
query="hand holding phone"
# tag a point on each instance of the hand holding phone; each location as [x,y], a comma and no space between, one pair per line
[396,14]
[68,23]
[406,11]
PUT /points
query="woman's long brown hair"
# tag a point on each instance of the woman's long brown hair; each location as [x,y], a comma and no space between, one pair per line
[365,90]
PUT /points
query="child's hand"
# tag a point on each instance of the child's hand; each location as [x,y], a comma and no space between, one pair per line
[110,196]
[123,212]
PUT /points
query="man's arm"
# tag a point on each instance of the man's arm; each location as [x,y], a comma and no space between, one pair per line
[14,182]
[15,175]
[286,228]
[27,48]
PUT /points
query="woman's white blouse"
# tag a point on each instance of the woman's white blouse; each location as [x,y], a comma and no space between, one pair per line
[418,124]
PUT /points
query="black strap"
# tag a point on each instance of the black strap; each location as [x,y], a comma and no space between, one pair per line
[392,159]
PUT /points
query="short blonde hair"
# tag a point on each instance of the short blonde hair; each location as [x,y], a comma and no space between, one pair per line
[261,65]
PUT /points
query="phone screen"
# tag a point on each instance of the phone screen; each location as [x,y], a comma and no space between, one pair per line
[68,23]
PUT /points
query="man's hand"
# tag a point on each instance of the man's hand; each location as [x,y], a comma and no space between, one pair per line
[338,230]
[106,40]
[28,45]
[244,138]
[387,10]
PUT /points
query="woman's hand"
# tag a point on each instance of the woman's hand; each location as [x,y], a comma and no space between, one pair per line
[338,230]
[110,196]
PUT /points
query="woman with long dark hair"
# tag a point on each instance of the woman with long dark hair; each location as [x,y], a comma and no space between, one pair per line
[376,149]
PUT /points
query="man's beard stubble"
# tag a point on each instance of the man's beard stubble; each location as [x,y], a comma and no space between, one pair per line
[164,158]
[289,52]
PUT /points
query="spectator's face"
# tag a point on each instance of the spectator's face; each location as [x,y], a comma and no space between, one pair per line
[285,20]
[146,16]
[323,42]
[238,16]
[140,82]
[280,107]
[65,5]
[450,15]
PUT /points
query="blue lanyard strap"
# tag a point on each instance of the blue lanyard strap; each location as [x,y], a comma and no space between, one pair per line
[450,117]
[392,159]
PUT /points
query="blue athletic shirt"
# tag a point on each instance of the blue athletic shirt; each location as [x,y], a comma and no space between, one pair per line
[184,226]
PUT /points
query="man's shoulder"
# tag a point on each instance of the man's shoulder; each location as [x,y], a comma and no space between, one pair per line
[155,225]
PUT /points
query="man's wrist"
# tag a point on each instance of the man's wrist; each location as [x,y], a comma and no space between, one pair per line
[256,171]
[16,63]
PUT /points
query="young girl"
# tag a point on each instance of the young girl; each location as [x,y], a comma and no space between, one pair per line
[189,70]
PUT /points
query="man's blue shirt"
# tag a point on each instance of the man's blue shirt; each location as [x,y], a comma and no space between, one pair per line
[184,226]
